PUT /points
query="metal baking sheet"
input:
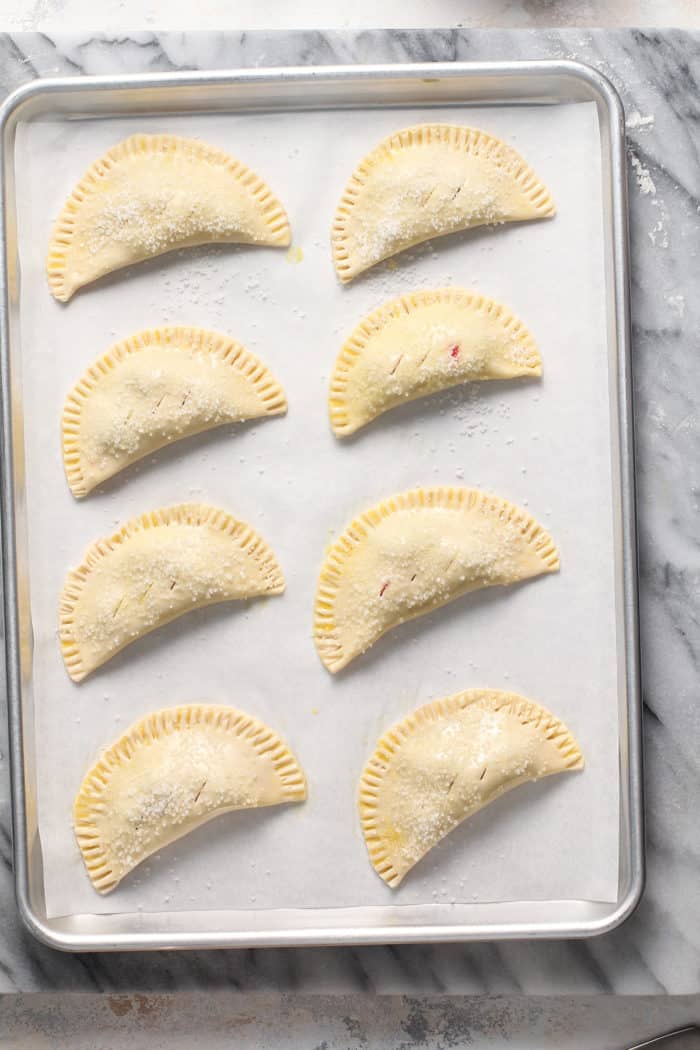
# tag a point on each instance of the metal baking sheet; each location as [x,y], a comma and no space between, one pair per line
[435,909]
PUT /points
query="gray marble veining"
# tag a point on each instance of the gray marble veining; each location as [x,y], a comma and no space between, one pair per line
[658,949]
[288,1021]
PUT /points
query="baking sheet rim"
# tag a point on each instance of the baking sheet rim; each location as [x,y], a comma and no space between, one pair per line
[602,92]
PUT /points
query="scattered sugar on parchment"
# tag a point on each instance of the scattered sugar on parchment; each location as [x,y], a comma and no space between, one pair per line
[397,274]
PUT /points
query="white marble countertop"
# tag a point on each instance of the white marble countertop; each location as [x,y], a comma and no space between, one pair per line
[658,949]
[60,15]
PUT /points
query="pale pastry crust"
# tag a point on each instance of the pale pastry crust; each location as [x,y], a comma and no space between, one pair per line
[171,772]
[154,388]
[154,569]
[151,194]
[415,552]
[427,181]
[447,760]
[421,343]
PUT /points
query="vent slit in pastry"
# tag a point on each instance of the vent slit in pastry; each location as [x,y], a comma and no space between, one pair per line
[415,552]
[154,388]
[171,772]
[151,194]
[427,181]
[421,343]
[155,568]
[447,760]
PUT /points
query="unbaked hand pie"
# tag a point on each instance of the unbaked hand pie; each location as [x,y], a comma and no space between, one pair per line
[154,388]
[154,569]
[421,343]
[427,181]
[171,772]
[414,552]
[446,761]
[151,194]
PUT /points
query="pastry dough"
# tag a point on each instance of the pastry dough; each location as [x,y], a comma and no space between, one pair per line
[421,343]
[153,389]
[424,182]
[151,194]
[154,569]
[446,761]
[415,552]
[171,772]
